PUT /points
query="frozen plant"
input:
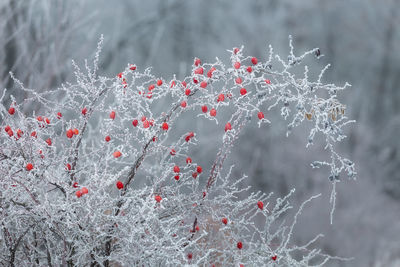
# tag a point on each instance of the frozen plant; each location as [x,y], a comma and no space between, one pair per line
[104,177]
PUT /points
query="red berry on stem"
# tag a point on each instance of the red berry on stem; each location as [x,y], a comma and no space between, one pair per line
[228,127]
[197,61]
[190,256]
[84,190]
[78,193]
[274,257]
[189,136]
[184,84]
[112,115]
[159,82]
[239,245]
[268,81]
[11,110]
[235,50]
[47,120]
[48,141]
[59,115]
[238,80]
[10,132]
[68,167]
[165,126]
[146,124]
[199,169]
[135,123]
[173,152]
[84,111]
[33,134]
[260,115]
[224,220]
[194,175]
[199,70]
[70,133]
[108,138]
[158,198]
[117,154]
[243,91]
[221,97]
[204,108]
[183,104]
[213,112]
[176,177]
[75,185]
[188,160]
[132,67]
[254,60]
[203,84]
[7,128]
[237,65]
[260,205]
[29,166]
[151,87]
[249,69]
[187,91]
[176,169]
[119,185]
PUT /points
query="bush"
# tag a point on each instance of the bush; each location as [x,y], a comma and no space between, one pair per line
[104,175]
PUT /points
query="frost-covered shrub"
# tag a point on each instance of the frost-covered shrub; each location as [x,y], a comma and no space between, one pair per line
[103,176]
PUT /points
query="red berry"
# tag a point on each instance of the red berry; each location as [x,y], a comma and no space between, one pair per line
[210,72]
[260,115]
[203,84]
[84,111]
[254,60]
[48,141]
[249,69]
[173,83]
[112,115]
[119,185]
[143,118]
[154,138]
[189,136]
[84,190]
[238,80]
[158,198]
[243,91]
[183,104]
[33,134]
[78,193]
[59,115]
[187,92]
[190,256]
[194,175]
[151,87]
[221,97]
[7,128]
[184,84]
[29,166]
[188,160]
[239,245]
[176,169]
[195,81]
[39,118]
[268,81]
[204,194]
[260,205]
[117,154]
[176,177]
[199,70]
[132,67]
[204,108]
[19,133]
[236,65]
[146,124]
[108,138]
[75,185]
[228,127]
[68,167]
[135,123]
[199,169]
[213,112]
[173,152]
[11,110]
[47,120]
[224,220]
[197,61]
[235,50]
[197,228]
[274,257]
[159,82]
[119,75]
[76,131]
[165,126]
[70,133]
[10,132]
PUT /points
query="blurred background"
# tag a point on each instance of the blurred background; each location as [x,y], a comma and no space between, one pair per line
[360,38]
